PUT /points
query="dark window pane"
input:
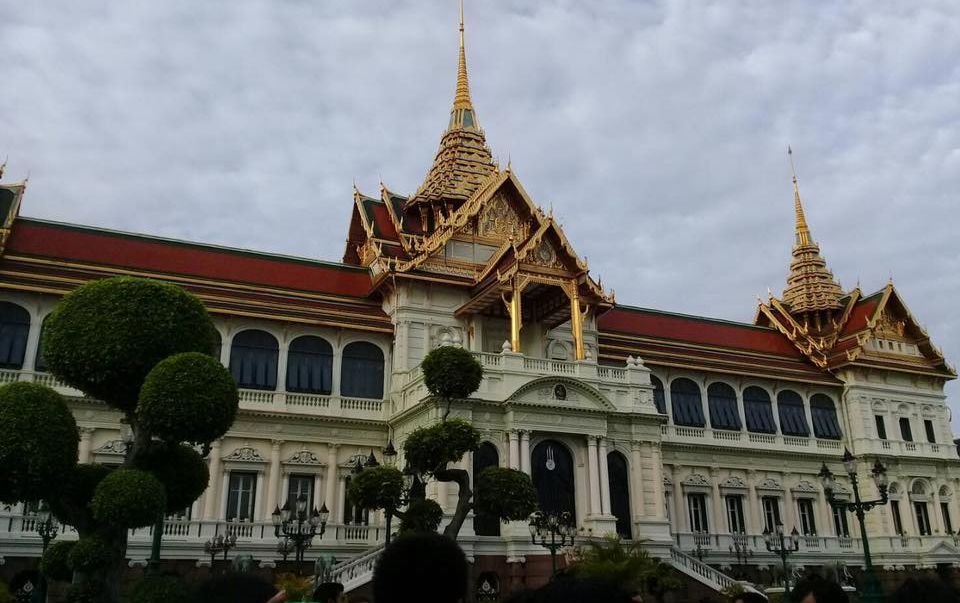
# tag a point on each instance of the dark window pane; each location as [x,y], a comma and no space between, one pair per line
[253,360]
[361,372]
[881,427]
[905,433]
[824,417]
[758,410]
[14,328]
[722,400]
[687,403]
[310,366]
[659,398]
[928,427]
[793,420]
[619,483]
[486,456]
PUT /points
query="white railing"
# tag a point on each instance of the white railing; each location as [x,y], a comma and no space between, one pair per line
[295,402]
[9,376]
[357,571]
[551,367]
[611,373]
[700,571]
[725,437]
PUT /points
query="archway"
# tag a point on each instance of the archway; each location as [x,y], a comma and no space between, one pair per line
[552,468]
[486,456]
[619,492]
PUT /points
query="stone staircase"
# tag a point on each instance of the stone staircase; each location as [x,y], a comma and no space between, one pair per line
[357,571]
[703,573]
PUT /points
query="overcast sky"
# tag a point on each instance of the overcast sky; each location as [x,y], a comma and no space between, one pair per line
[657,130]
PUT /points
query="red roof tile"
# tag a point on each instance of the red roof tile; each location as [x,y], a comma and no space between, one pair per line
[863,310]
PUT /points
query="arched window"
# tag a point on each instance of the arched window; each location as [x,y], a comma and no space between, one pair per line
[722,401]
[687,403]
[361,373]
[659,397]
[619,492]
[823,414]
[552,469]
[253,359]
[486,456]
[310,365]
[39,362]
[14,328]
[793,420]
[758,410]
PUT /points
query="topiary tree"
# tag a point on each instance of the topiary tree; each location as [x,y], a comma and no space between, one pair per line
[142,347]
[450,374]
[160,589]
[54,564]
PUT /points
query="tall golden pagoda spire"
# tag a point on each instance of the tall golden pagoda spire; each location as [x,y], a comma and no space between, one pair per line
[811,286]
[463,160]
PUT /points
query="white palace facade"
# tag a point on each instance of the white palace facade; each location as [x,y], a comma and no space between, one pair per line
[690,433]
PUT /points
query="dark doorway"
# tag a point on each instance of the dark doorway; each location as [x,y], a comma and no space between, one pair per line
[486,456]
[619,492]
[552,467]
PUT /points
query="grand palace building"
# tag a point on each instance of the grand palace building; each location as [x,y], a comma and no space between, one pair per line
[692,434]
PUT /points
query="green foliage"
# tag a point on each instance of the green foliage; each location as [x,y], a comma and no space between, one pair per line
[429,449]
[72,506]
[55,562]
[85,592]
[505,493]
[377,488]
[5,595]
[38,442]
[451,373]
[105,337]
[298,588]
[630,567]
[422,516]
[128,498]
[180,469]
[188,397]
[160,589]
[733,591]
[89,554]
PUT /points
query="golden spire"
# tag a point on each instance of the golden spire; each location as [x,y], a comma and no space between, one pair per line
[462,98]
[810,284]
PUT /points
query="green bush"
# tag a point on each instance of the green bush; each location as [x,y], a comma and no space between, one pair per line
[505,493]
[422,516]
[5,595]
[38,442]
[451,373]
[188,397]
[128,498]
[89,554]
[105,337]
[55,562]
[377,488]
[85,592]
[72,506]
[180,469]
[429,449]
[160,589]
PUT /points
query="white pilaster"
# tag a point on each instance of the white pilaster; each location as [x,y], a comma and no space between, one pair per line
[604,476]
[593,476]
[679,509]
[525,451]
[273,479]
[660,502]
[636,481]
[790,506]
[719,526]
[83,451]
[330,497]
[213,485]
[514,449]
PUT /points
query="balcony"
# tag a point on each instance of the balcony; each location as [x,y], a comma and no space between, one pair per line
[705,436]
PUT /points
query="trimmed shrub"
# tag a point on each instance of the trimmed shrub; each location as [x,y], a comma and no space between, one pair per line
[55,562]
[105,336]
[505,493]
[180,469]
[89,554]
[188,397]
[422,516]
[451,373]
[38,442]
[72,506]
[160,589]
[429,449]
[128,498]
[377,488]
[5,595]
[85,592]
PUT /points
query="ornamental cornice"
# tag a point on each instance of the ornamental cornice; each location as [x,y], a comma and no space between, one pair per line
[112,448]
[245,454]
[304,457]
[734,483]
[770,484]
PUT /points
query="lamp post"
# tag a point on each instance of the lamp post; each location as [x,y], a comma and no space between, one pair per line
[47,527]
[552,531]
[298,526]
[221,543]
[872,592]
[741,551]
[285,547]
[784,545]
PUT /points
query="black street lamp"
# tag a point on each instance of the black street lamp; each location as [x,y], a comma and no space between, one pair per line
[298,526]
[285,547]
[47,527]
[872,593]
[784,545]
[221,543]
[552,531]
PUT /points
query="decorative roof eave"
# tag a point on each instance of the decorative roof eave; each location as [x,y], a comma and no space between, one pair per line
[804,342]
[6,221]
[547,225]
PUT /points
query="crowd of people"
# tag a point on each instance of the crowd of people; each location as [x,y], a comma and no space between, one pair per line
[430,568]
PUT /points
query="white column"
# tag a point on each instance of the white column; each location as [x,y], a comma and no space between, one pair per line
[592,475]
[342,499]
[636,481]
[719,526]
[330,498]
[679,509]
[937,516]
[790,506]
[317,490]
[826,515]
[213,485]
[83,452]
[514,449]
[273,479]
[525,451]
[755,521]
[282,366]
[604,476]
[660,501]
[33,342]
[809,417]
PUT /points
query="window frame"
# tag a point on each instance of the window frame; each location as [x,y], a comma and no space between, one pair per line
[697,513]
[808,516]
[235,488]
[736,521]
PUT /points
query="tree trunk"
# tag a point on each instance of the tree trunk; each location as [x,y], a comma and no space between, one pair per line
[464,499]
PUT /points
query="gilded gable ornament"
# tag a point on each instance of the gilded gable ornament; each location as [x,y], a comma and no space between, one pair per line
[498,219]
[545,255]
[888,326]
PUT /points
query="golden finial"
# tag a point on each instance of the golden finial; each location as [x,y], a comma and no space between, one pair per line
[462,98]
[803,231]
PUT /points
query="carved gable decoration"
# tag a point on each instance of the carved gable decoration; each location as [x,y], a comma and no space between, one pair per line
[499,220]
[113,448]
[890,326]
[568,393]
[770,484]
[805,487]
[734,482]
[245,454]
[546,254]
[697,480]
[304,457]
